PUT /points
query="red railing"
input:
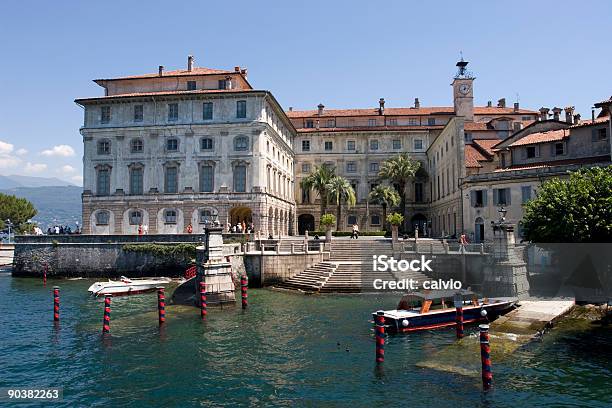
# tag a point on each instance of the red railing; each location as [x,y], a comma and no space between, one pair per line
[191,272]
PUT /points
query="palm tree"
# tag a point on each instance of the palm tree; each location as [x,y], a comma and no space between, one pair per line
[386,197]
[318,180]
[340,190]
[399,170]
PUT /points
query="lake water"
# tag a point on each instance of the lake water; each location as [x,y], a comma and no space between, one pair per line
[285,350]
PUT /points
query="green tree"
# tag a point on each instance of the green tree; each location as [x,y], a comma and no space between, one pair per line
[578,209]
[340,191]
[386,197]
[18,210]
[318,181]
[399,171]
[395,219]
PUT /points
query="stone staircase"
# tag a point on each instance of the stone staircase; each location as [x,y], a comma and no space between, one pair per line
[312,279]
[349,268]
[355,272]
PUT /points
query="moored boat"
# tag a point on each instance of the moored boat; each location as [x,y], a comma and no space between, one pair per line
[418,311]
[127,286]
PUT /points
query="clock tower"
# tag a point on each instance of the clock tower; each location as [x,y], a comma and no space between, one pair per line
[463,91]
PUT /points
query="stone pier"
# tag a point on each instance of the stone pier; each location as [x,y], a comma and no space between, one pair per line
[506,273]
[215,270]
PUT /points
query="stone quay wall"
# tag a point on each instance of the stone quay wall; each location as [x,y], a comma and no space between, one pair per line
[270,268]
[97,256]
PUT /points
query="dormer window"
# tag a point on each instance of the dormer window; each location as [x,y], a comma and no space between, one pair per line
[309,124]
[191,85]
[222,84]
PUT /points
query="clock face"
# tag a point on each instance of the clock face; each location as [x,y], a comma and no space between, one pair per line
[464,89]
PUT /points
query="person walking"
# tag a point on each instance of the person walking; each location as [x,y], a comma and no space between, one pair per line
[189,228]
[139,229]
[355,231]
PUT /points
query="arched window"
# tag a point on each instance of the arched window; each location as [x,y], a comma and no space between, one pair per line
[102,217]
[136,146]
[241,143]
[135,217]
[207,216]
[170,216]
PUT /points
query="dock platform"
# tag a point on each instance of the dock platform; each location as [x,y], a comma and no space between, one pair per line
[517,328]
[532,317]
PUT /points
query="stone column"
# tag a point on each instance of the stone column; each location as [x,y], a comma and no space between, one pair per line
[215,270]
[506,273]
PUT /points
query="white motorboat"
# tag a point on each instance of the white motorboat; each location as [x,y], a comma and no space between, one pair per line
[127,286]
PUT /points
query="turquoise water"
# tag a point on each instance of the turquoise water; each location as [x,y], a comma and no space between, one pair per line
[285,350]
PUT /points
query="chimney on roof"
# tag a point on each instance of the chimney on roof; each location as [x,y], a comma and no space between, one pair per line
[291,109]
[190,63]
[569,114]
[516,107]
[576,119]
[557,113]
[243,71]
[544,113]
[489,104]
[501,103]
[381,106]
[161,70]
[237,69]
[321,107]
[417,104]
[593,115]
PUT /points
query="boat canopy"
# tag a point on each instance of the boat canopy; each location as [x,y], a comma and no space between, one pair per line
[433,296]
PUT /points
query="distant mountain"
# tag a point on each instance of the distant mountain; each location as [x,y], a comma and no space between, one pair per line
[13,181]
[56,205]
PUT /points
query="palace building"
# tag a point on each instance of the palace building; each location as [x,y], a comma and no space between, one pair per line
[356,141]
[173,148]
[187,147]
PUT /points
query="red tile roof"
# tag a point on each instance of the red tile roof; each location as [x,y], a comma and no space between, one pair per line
[433,110]
[165,93]
[443,110]
[494,110]
[367,128]
[589,122]
[477,126]
[567,162]
[485,145]
[178,72]
[473,156]
[541,137]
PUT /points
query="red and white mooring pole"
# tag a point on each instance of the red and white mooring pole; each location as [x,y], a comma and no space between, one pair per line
[244,287]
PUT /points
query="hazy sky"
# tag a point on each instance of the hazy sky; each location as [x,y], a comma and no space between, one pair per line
[340,53]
